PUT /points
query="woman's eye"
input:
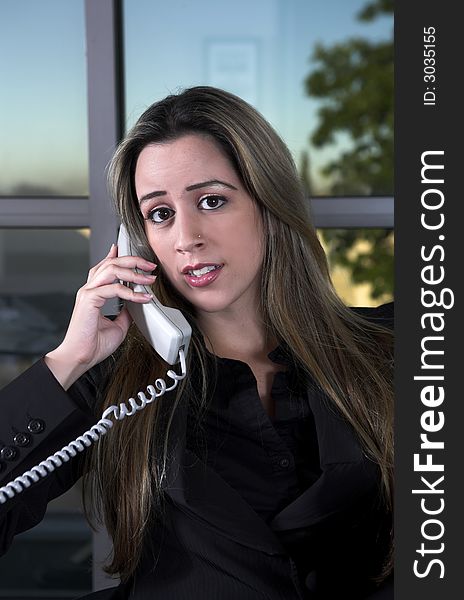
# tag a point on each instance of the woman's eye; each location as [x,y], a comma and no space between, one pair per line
[158,215]
[211,202]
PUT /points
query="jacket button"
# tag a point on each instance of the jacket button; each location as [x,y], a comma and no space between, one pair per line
[284,463]
[8,453]
[36,426]
[22,439]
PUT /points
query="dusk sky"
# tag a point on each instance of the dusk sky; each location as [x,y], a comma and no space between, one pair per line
[263,57]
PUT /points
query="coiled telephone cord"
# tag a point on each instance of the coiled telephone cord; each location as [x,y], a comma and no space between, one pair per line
[94,434]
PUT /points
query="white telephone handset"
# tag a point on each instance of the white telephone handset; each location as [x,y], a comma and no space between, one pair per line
[168,332]
[165,328]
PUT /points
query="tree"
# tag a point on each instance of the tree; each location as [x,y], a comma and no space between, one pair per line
[354,79]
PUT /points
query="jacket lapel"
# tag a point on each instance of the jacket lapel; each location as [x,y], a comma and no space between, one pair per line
[199,491]
[347,475]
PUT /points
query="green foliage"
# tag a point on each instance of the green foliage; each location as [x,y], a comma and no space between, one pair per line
[355,80]
[370,261]
[376,8]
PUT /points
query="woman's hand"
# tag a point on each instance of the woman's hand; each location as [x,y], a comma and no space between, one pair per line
[91,337]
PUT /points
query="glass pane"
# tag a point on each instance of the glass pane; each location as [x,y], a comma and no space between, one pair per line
[43,103]
[361,264]
[38,286]
[37,290]
[290,59]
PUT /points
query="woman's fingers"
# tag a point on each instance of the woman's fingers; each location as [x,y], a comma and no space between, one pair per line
[116,273]
[97,296]
[123,269]
[113,253]
[132,262]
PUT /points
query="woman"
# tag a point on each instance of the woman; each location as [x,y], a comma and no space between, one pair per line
[268,472]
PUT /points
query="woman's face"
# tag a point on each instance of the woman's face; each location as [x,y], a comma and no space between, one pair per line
[202,225]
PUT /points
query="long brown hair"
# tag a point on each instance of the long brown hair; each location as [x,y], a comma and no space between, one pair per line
[348,357]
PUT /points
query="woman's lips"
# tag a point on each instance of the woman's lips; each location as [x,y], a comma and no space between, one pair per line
[203,280]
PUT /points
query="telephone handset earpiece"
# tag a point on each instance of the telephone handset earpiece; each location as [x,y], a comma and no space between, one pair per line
[165,328]
[168,332]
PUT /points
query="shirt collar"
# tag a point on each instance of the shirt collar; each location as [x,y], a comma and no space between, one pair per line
[280,355]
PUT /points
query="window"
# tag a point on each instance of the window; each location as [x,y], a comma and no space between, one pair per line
[43,121]
[325,84]
[60,120]
[269,58]
[38,286]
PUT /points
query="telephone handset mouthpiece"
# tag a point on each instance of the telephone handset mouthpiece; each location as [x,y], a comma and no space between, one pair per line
[165,328]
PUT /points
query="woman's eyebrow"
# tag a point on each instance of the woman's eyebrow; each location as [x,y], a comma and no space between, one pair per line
[211,182]
[194,186]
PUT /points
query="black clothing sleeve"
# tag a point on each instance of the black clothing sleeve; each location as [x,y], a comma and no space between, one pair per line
[36,406]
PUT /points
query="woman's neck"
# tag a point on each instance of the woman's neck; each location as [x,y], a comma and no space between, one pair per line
[240,336]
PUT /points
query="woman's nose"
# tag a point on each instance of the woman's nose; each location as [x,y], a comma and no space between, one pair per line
[189,236]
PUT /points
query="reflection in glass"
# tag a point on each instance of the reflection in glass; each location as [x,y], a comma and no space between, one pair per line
[43,104]
[268,59]
[40,272]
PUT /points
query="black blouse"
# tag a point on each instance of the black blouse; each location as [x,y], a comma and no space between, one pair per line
[270,461]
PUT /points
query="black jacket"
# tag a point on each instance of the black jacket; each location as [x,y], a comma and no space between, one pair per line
[211,544]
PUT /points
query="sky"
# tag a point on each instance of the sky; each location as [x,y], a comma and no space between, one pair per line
[259,49]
